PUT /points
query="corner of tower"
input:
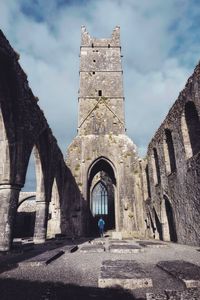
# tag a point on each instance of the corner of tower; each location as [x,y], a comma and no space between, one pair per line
[116,36]
[85,37]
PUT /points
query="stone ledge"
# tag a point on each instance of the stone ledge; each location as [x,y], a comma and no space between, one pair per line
[120,248]
[150,244]
[92,248]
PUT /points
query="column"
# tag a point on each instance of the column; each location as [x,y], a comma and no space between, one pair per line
[9,195]
[40,221]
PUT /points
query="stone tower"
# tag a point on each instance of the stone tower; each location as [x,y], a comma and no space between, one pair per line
[102,158]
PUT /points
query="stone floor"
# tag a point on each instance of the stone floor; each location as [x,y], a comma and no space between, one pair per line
[90,269]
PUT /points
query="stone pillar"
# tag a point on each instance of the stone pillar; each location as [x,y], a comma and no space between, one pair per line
[9,195]
[41,222]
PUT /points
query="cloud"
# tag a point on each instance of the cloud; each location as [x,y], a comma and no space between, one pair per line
[160,44]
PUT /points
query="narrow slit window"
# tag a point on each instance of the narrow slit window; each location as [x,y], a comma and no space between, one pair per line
[100,92]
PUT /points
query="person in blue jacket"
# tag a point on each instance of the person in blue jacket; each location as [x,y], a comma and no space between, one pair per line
[101,224]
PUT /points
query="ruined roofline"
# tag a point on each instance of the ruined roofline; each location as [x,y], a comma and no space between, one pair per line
[187,94]
[88,41]
[27,98]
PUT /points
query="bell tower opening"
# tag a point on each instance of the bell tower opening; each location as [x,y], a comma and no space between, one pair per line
[101,195]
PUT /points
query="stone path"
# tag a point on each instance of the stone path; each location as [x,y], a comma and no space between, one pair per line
[91,271]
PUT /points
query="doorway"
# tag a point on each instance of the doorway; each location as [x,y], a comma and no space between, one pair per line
[101,194]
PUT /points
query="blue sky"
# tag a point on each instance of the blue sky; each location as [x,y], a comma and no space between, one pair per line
[160,44]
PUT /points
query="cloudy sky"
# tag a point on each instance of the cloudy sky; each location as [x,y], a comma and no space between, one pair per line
[160,44]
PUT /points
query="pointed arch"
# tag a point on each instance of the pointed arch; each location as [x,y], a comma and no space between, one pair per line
[105,188]
[102,164]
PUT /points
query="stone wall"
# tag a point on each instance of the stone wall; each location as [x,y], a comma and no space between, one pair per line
[23,129]
[156,197]
[171,170]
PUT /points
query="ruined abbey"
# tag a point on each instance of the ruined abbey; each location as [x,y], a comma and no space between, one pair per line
[156,197]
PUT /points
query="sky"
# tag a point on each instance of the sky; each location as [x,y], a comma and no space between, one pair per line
[160,46]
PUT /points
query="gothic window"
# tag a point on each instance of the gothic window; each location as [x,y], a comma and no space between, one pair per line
[170,159]
[190,126]
[156,167]
[99,205]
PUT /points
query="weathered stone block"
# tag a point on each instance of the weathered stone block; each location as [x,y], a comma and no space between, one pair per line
[123,273]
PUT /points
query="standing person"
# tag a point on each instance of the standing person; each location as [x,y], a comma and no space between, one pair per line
[101,224]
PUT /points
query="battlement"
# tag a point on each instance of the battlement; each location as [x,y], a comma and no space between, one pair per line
[88,41]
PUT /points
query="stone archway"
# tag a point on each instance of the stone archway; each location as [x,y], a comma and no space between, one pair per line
[25,217]
[101,194]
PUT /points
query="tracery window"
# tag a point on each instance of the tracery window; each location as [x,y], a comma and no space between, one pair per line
[99,204]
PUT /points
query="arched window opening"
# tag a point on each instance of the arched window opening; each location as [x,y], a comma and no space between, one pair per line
[169,152]
[170,218]
[148,181]
[191,129]
[99,201]
[158,225]
[156,167]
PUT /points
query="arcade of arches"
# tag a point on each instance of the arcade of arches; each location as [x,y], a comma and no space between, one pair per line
[156,197]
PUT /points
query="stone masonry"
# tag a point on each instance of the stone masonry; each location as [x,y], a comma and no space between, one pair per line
[23,129]
[157,197]
[171,170]
[101,143]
